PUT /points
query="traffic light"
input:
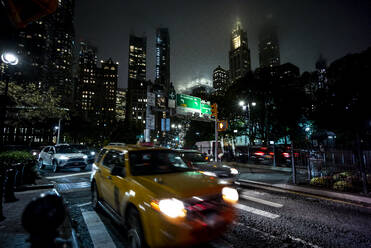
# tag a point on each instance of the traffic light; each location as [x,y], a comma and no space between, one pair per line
[22,12]
[214,110]
[222,126]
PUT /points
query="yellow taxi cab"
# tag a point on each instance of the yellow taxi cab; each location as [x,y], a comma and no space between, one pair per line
[158,198]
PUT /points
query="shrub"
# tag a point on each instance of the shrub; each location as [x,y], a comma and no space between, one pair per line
[321,181]
[343,186]
[10,159]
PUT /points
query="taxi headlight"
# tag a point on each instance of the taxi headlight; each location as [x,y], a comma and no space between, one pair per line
[234,171]
[63,157]
[230,195]
[208,173]
[84,157]
[172,208]
[92,153]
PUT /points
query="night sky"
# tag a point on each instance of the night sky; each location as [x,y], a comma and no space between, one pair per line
[200,30]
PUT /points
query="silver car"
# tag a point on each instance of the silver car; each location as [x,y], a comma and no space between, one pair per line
[62,156]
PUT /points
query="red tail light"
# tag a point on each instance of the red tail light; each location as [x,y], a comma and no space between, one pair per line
[286,154]
[259,153]
[271,153]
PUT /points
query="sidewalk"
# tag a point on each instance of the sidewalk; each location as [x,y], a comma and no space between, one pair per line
[12,233]
[281,178]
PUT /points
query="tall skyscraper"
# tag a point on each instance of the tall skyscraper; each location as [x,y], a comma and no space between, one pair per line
[62,34]
[107,76]
[137,57]
[137,84]
[163,57]
[239,55]
[121,104]
[87,79]
[220,78]
[269,49]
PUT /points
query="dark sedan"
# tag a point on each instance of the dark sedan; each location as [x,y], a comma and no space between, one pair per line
[197,161]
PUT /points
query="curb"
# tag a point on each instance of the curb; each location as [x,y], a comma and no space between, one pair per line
[314,192]
[34,187]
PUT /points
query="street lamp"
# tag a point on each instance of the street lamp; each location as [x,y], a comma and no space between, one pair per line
[244,106]
[9,59]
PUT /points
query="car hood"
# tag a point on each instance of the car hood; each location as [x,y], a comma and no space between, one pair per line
[211,167]
[180,185]
[70,155]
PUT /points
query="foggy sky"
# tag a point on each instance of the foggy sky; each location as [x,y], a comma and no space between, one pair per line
[200,30]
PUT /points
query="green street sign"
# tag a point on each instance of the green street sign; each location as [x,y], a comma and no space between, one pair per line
[189,102]
[205,109]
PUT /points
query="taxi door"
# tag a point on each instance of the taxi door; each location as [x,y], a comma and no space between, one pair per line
[106,185]
[121,189]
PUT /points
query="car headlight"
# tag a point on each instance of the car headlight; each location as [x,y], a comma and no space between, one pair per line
[92,153]
[85,157]
[172,208]
[63,157]
[230,195]
[208,173]
[234,171]
[34,153]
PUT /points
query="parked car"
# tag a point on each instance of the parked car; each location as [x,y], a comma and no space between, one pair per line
[62,156]
[159,198]
[90,152]
[197,161]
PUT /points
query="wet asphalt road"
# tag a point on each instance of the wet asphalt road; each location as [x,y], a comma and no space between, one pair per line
[265,218]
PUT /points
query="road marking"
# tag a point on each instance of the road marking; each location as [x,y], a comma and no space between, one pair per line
[220,243]
[70,175]
[274,237]
[69,187]
[97,230]
[256,211]
[83,204]
[265,202]
[304,242]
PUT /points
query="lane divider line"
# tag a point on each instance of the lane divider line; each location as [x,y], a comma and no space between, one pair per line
[258,200]
[98,232]
[256,211]
[83,204]
[70,175]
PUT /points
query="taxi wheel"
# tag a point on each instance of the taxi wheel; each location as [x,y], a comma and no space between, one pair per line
[135,233]
[55,166]
[95,196]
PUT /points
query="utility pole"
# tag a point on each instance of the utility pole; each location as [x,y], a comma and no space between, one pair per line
[59,130]
[214,112]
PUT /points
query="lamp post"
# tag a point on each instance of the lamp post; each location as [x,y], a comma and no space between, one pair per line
[246,106]
[9,59]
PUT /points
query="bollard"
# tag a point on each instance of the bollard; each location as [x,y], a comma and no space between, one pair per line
[9,186]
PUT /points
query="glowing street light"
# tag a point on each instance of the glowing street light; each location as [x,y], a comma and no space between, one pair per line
[9,58]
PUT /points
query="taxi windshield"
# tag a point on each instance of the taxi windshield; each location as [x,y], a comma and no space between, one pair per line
[155,162]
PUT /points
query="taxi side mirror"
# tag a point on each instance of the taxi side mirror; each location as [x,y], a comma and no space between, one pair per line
[118,171]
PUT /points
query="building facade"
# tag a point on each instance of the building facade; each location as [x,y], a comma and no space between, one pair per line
[137,84]
[269,49]
[220,79]
[121,104]
[239,55]
[163,57]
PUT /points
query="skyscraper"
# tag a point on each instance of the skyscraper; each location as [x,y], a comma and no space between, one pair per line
[239,55]
[87,80]
[269,49]
[163,57]
[61,34]
[220,78]
[137,85]
[137,57]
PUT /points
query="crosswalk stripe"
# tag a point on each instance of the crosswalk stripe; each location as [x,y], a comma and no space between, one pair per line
[98,232]
[265,202]
[256,211]
[70,175]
